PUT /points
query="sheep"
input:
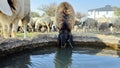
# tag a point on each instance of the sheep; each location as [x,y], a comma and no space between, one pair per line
[11,11]
[44,21]
[20,26]
[106,27]
[89,24]
[30,25]
[103,27]
[77,25]
[32,22]
[65,20]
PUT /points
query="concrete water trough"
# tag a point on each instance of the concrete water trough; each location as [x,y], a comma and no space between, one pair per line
[11,46]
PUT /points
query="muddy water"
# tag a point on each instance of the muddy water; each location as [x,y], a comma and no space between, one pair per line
[78,57]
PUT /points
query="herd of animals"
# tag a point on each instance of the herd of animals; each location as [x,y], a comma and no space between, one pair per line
[15,16]
[15,13]
[48,24]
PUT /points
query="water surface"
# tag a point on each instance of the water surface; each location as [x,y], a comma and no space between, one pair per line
[64,58]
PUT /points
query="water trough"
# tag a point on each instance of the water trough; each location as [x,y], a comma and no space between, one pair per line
[11,46]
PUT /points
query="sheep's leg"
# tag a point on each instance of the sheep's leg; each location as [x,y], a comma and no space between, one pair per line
[2,32]
[14,29]
[25,30]
[37,27]
[9,29]
[48,28]
[32,29]
[30,26]
[25,21]
[5,31]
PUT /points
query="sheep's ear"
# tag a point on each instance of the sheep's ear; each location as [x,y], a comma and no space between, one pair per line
[5,8]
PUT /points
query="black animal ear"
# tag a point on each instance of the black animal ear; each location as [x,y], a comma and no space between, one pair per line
[11,4]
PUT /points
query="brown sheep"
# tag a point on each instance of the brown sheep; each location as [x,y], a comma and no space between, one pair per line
[65,19]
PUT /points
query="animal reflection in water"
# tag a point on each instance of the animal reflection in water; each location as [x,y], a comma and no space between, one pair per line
[65,19]
[63,58]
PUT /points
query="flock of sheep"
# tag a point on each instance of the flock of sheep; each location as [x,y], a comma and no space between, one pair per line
[41,24]
[15,16]
[91,25]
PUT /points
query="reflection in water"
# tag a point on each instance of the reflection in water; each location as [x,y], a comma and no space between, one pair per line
[63,58]
[17,61]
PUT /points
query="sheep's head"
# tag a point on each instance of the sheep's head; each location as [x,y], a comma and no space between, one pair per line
[63,37]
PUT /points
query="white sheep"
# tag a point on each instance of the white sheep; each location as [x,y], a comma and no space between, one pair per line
[32,22]
[30,25]
[44,21]
[11,11]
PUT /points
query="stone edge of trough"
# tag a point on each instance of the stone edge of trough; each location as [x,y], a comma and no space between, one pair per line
[10,46]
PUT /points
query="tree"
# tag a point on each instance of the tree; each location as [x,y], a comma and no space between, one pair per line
[79,15]
[48,9]
[34,14]
[117,11]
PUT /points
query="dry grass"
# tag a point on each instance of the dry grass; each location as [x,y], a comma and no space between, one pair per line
[34,34]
